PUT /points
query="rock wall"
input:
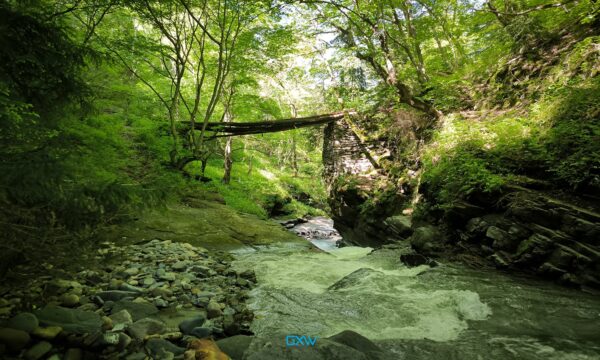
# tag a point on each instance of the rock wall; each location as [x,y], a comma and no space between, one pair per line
[518,229]
[343,153]
[537,233]
[350,174]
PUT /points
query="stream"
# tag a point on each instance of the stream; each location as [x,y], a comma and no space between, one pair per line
[446,312]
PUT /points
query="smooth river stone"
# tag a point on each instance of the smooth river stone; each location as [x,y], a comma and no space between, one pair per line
[71,320]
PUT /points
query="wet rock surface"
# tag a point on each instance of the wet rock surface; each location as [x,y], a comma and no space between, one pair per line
[318,230]
[342,346]
[155,301]
[541,235]
[521,230]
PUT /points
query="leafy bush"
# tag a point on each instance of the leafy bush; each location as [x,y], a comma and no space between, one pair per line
[557,141]
[63,161]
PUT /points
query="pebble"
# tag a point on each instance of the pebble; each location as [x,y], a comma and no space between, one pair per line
[230,326]
[69,300]
[24,321]
[47,333]
[131,288]
[160,303]
[115,305]
[156,347]
[124,341]
[201,332]
[189,355]
[162,292]
[71,320]
[38,350]
[170,276]
[137,310]
[213,310]
[132,271]
[136,356]
[114,284]
[107,323]
[109,338]
[180,265]
[14,339]
[73,354]
[116,295]
[140,329]
[121,317]
[186,326]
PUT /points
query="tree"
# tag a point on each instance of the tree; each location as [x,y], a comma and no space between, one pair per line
[386,35]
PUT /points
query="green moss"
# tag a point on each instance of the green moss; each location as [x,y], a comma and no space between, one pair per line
[556,140]
[258,190]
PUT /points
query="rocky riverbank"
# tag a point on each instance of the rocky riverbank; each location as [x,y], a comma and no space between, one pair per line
[160,299]
[519,229]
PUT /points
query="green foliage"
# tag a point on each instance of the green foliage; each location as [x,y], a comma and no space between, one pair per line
[91,109]
[458,176]
[64,160]
[556,141]
[572,144]
[257,189]
[38,62]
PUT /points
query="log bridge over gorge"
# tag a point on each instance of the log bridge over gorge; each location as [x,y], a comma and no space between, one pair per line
[343,150]
[223,129]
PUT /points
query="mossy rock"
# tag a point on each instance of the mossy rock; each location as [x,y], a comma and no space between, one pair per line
[208,224]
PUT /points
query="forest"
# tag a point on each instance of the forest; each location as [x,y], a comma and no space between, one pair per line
[429,169]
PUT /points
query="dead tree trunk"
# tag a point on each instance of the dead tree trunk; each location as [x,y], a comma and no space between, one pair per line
[227,162]
[222,129]
[294,155]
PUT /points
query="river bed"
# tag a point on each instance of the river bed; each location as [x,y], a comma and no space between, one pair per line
[446,312]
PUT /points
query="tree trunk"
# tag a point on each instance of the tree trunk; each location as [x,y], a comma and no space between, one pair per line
[294,155]
[227,163]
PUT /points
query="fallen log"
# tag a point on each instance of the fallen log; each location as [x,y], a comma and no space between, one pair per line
[222,129]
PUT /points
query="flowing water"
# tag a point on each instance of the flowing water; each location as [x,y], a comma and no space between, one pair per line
[447,312]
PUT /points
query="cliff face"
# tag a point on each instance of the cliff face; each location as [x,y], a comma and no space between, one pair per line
[516,228]
[343,157]
[511,184]
[354,179]
[534,232]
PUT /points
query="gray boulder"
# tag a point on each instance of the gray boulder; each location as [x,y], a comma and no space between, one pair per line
[141,328]
[137,310]
[275,348]
[235,346]
[399,225]
[357,342]
[71,320]
[157,347]
[24,321]
[427,240]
